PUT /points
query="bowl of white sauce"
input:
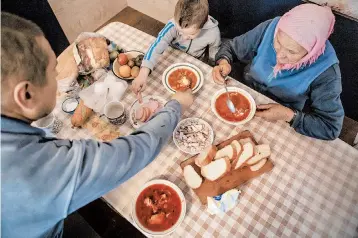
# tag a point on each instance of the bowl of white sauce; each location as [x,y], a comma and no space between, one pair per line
[70,105]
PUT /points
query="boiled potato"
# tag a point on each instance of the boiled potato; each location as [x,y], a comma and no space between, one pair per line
[135,71]
[125,71]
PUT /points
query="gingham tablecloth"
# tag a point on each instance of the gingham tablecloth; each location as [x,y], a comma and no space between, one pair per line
[312,190]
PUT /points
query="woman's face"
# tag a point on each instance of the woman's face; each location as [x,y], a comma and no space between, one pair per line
[288,51]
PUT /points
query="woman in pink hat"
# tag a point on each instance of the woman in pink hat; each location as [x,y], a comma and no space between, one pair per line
[291,60]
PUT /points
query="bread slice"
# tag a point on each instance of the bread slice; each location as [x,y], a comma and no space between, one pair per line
[247,153]
[259,165]
[192,178]
[237,147]
[227,151]
[261,152]
[206,156]
[216,169]
[245,140]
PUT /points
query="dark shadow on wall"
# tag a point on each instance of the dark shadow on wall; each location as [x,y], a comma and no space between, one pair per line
[40,12]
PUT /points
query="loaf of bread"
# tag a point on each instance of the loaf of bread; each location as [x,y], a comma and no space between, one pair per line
[81,114]
[94,53]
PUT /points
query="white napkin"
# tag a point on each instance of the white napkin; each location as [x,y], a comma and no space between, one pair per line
[69,86]
[108,88]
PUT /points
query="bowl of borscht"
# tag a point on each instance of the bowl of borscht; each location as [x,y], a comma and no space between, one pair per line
[245,106]
[158,208]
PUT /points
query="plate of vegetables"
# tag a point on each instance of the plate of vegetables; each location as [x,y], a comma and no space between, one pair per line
[127,65]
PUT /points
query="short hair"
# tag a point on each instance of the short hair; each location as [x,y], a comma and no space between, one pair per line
[191,12]
[21,54]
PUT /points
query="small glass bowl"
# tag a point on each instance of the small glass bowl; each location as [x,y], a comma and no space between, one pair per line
[68,105]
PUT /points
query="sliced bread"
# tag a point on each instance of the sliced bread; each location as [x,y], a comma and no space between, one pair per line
[206,156]
[228,151]
[192,178]
[245,140]
[261,152]
[259,165]
[238,148]
[216,169]
[247,153]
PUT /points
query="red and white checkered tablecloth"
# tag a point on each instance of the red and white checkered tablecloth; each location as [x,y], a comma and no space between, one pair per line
[311,192]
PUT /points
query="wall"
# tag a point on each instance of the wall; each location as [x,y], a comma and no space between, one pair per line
[76,16]
[161,10]
[40,12]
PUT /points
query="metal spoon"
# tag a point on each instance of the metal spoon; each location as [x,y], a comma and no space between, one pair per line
[229,103]
[107,94]
[139,95]
[105,101]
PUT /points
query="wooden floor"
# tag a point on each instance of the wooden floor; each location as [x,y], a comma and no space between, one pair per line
[105,221]
[138,20]
[349,130]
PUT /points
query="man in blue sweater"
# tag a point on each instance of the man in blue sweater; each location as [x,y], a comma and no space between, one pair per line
[45,179]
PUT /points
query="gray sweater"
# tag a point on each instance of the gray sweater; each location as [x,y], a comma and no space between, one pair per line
[209,36]
[325,117]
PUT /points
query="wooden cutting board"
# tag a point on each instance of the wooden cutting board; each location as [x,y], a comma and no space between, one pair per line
[231,180]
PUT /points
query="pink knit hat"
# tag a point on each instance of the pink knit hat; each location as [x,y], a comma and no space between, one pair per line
[310,26]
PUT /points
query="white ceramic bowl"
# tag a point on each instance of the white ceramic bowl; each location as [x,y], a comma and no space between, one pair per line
[242,92]
[46,122]
[148,232]
[198,73]
[201,121]
[115,67]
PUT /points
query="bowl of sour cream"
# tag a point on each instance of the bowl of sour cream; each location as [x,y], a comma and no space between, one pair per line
[70,105]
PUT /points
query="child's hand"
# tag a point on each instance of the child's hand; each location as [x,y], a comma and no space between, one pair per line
[139,83]
[221,71]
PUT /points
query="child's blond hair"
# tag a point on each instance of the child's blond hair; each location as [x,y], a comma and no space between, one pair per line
[191,13]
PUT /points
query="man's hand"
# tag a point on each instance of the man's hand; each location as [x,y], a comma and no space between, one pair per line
[139,83]
[220,71]
[184,98]
[274,112]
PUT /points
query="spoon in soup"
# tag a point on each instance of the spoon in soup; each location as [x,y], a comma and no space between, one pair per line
[229,103]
